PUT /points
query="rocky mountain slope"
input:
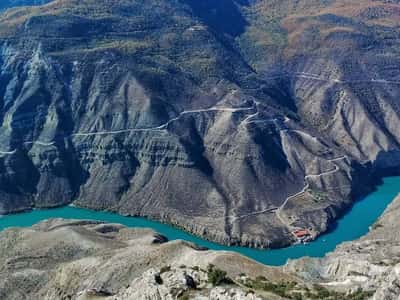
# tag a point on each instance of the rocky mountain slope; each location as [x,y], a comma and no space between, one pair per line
[236,120]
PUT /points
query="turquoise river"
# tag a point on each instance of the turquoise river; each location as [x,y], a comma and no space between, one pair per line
[352,226]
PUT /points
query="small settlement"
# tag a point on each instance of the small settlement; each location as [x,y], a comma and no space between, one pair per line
[302,235]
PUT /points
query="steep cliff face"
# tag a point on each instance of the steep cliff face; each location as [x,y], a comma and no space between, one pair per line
[237,133]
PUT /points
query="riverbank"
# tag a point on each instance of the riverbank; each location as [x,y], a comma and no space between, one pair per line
[351,226]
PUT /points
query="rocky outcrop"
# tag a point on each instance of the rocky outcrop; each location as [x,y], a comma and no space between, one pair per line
[236,133]
[174,285]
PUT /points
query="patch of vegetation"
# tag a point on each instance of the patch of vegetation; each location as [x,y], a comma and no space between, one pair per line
[360,295]
[264,35]
[297,296]
[291,290]
[165,269]
[184,297]
[377,225]
[318,195]
[217,276]
[355,273]
[196,268]
[321,292]
[261,278]
[282,289]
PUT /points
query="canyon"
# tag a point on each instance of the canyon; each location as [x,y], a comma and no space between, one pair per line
[238,121]
[245,122]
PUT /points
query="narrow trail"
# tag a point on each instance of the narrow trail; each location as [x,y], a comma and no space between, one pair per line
[162,127]
[247,120]
[334,80]
[236,218]
[278,210]
[7,152]
[306,187]
[39,143]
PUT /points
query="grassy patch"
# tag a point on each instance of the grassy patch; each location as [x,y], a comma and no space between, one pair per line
[165,269]
[184,297]
[282,289]
[318,195]
[217,276]
[377,225]
[291,290]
